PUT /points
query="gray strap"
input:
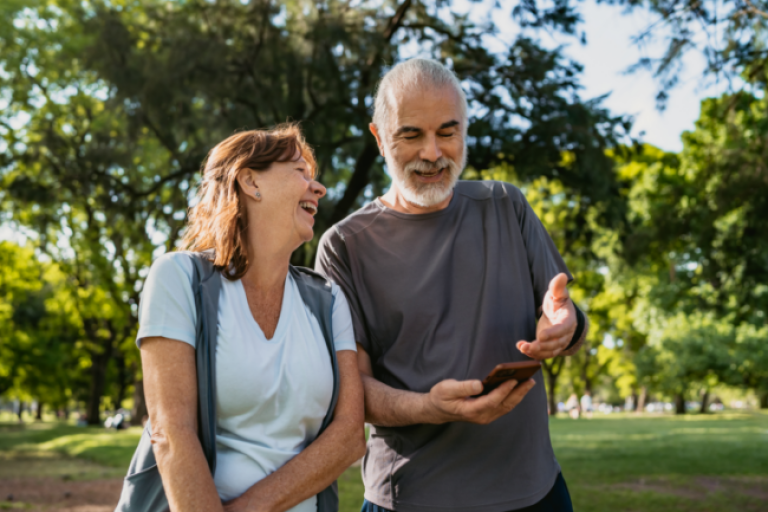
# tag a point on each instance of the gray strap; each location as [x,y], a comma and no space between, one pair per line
[206,286]
[315,291]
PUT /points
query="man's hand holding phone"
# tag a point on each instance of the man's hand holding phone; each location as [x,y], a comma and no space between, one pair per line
[452,400]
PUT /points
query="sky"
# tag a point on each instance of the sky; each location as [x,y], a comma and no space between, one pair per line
[609,52]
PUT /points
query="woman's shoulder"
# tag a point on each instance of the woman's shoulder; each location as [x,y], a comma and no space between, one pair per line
[183,260]
[174,267]
[167,306]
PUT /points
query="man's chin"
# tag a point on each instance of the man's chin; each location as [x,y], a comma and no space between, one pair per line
[428,196]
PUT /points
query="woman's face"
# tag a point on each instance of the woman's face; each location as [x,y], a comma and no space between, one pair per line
[289,201]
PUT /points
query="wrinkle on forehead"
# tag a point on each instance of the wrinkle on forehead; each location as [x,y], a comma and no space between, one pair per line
[427,109]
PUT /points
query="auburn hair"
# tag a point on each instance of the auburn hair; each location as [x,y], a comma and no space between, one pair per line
[218,221]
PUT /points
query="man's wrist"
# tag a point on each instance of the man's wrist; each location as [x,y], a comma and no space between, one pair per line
[581,321]
[431,413]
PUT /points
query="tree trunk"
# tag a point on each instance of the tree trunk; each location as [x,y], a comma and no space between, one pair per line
[359,180]
[21,410]
[39,412]
[585,351]
[122,381]
[551,397]
[640,404]
[704,400]
[763,399]
[679,403]
[98,382]
[139,404]
[552,372]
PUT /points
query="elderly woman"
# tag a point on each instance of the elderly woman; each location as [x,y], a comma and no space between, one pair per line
[274,380]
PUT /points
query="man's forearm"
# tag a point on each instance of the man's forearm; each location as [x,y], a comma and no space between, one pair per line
[389,407]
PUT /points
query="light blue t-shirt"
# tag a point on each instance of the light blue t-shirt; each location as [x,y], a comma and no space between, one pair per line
[271,394]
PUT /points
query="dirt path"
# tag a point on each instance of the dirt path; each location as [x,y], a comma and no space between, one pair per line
[49,481]
[55,494]
[702,487]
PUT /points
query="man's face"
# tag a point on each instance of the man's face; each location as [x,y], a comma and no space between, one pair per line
[424,144]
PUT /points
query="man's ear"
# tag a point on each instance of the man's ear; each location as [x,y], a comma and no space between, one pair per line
[375,133]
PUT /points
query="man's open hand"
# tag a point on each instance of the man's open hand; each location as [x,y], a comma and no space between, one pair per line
[557,324]
[451,400]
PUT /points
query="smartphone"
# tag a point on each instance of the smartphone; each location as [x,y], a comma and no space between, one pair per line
[520,371]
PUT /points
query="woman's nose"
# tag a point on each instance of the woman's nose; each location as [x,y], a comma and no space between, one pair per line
[318,189]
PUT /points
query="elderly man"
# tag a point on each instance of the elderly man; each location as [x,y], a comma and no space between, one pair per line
[445,280]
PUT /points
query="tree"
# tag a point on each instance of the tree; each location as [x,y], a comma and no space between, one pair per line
[749,361]
[40,338]
[112,106]
[685,351]
[19,283]
[699,217]
[694,239]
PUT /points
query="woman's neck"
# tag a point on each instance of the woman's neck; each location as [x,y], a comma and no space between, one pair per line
[267,263]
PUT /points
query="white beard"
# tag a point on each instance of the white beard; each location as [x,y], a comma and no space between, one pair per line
[425,195]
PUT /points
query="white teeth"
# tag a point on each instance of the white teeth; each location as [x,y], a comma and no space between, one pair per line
[309,207]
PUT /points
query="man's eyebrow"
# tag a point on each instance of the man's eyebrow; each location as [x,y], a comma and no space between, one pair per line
[414,129]
[449,124]
[407,129]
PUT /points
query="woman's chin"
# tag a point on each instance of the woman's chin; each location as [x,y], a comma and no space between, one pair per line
[307,234]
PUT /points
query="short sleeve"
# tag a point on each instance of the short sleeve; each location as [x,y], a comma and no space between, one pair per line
[544,260]
[343,332]
[167,306]
[333,262]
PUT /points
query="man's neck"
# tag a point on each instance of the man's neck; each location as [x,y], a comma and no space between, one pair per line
[394,199]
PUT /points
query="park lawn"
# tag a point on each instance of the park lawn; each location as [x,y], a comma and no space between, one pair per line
[665,463]
[611,463]
[58,449]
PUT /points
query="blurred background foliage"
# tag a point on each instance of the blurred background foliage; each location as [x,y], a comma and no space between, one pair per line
[108,108]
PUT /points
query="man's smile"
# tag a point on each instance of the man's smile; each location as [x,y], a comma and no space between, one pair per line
[430,176]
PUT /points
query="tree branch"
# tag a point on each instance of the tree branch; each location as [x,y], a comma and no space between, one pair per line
[359,180]
[754,10]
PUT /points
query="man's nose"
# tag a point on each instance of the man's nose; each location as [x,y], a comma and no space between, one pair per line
[431,150]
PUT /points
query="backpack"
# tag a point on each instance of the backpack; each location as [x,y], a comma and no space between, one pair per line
[142,487]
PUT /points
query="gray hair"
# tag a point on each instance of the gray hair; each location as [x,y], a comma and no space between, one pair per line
[410,74]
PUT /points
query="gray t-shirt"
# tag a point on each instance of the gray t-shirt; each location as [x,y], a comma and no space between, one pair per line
[447,295]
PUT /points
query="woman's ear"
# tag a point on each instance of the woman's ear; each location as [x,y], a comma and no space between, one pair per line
[247,181]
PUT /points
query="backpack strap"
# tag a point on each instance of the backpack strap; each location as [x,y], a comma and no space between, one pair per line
[316,292]
[206,285]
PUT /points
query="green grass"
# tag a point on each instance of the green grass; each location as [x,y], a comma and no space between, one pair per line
[351,490]
[665,463]
[62,450]
[611,463]
[613,449]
